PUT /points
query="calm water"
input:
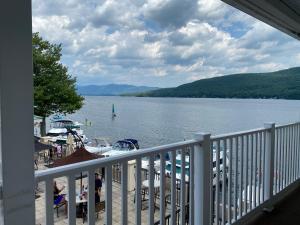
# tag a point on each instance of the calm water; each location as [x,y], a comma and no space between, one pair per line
[156,121]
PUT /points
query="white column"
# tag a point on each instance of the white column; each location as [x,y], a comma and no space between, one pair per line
[269,160]
[16,112]
[202,179]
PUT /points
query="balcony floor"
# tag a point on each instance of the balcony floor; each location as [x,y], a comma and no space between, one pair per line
[287,212]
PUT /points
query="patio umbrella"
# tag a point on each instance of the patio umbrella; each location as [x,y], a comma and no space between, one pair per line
[70,142]
[79,155]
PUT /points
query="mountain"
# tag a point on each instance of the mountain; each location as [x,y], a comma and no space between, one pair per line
[112,89]
[284,84]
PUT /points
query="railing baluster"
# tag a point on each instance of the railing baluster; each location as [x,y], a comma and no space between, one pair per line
[277,174]
[191,186]
[108,195]
[182,188]
[241,176]
[255,170]
[282,158]
[162,189]
[49,201]
[151,191]
[289,164]
[138,183]
[236,178]
[124,183]
[291,155]
[246,176]
[251,172]
[264,165]
[217,181]
[91,197]
[71,200]
[224,173]
[298,149]
[259,167]
[230,182]
[286,156]
[294,153]
[173,187]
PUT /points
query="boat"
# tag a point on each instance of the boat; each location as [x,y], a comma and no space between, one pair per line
[187,165]
[60,128]
[113,111]
[122,146]
[178,161]
[99,145]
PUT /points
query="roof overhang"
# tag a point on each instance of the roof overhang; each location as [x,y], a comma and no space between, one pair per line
[281,14]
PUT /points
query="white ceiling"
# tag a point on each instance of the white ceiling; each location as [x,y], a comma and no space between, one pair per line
[281,14]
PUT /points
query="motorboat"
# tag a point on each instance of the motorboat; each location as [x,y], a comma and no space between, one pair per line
[222,158]
[60,129]
[122,147]
[178,161]
[99,145]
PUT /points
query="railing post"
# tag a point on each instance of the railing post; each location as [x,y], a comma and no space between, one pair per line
[202,179]
[16,114]
[269,160]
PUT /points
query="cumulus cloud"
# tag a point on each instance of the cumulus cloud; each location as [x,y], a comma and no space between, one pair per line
[160,42]
[170,13]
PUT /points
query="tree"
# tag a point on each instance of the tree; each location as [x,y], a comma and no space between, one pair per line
[54,87]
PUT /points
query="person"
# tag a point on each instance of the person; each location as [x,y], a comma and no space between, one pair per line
[98,186]
[59,198]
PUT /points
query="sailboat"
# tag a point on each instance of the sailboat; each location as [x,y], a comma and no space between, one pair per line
[113,111]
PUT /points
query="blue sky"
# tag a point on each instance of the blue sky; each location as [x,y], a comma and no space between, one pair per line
[161,43]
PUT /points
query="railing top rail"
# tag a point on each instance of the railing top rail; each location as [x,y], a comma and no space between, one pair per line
[287,125]
[240,133]
[102,162]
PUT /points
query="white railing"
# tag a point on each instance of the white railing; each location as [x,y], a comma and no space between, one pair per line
[243,184]
[150,155]
[229,177]
[287,157]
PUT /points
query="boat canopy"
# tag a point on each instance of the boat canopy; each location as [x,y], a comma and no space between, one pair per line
[65,123]
[133,141]
[126,144]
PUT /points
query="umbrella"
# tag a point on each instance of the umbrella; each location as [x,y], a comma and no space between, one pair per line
[79,155]
[70,142]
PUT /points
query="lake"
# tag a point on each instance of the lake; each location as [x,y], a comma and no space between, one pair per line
[157,121]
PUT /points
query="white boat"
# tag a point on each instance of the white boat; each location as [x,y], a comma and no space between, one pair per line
[178,161]
[60,128]
[187,165]
[99,145]
[122,147]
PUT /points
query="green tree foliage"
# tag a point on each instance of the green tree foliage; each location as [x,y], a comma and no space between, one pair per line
[283,84]
[54,87]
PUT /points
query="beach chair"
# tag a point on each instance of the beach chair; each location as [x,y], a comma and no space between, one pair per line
[100,207]
[57,206]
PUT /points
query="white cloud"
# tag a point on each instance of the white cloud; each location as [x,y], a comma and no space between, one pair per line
[160,42]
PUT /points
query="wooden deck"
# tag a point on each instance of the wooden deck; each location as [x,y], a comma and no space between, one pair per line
[286,212]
